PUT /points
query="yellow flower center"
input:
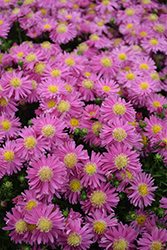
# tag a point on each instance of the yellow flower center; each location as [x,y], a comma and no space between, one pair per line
[99,226]
[143,189]
[45,173]
[1,22]
[7,1]
[61,28]
[159,28]
[121,161]
[29,15]
[87,73]
[3,102]
[6,124]
[47,26]
[68,87]
[31,57]
[44,225]
[100,24]
[119,109]
[83,47]
[156,128]
[156,104]
[119,134]
[63,106]
[26,2]
[70,61]
[48,130]
[53,89]
[129,26]
[74,239]
[156,245]
[92,113]
[106,62]
[74,122]
[141,219]
[31,227]
[90,168]
[122,56]
[144,85]
[96,127]
[153,41]
[38,68]
[130,76]
[98,198]
[51,104]
[120,245]
[94,37]
[46,45]
[144,66]
[129,12]
[106,88]
[70,160]
[127,174]
[75,185]
[21,226]
[34,84]
[15,82]
[30,204]
[20,54]
[127,68]
[143,33]
[30,142]
[105,2]
[88,84]
[9,155]
[145,2]
[153,17]
[155,76]
[43,11]
[56,73]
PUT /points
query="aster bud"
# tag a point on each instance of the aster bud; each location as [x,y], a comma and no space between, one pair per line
[77,131]
[84,131]
[29,122]
[116,183]
[98,100]
[112,20]
[65,213]
[139,115]
[165,106]
[79,53]
[162,144]
[22,102]
[3,203]
[83,195]
[142,124]
[159,110]
[8,184]
[110,176]
[21,178]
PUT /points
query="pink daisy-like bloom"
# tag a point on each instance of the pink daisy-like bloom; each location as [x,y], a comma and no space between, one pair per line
[148,4]
[103,197]
[32,57]
[141,221]
[100,222]
[119,237]
[119,131]
[104,65]
[126,78]
[55,70]
[130,14]
[15,221]
[121,158]
[155,240]
[4,26]
[47,175]
[98,42]
[154,101]
[15,85]
[152,45]
[10,160]
[63,33]
[106,5]
[76,236]
[141,190]
[8,106]
[29,145]
[159,29]
[9,126]
[73,191]
[144,65]
[106,87]
[49,128]
[71,155]
[49,223]
[92,173]
[154,126]
[113,107]
[17,52]
[47,24]
[143,32]
[123,54]
[91,111]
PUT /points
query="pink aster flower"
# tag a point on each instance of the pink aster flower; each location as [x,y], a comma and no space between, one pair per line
[104,65]
[103,6]
[141,190]
[98,42]
[29,145]
[53,71]
[100,222]
[119,237]
[28,200]
[145,65]
[9,126]
[63,33]
[15,85]
[4,26]
[92,173]
[47,175]
[32,56]
[119,131]
[76,236]
[154,101]
[49,223]
[8,106]
[106,87]
[10,160]
[139,223]
[73,191]
[121,159]
[154,126]
[87,87]
[155,240]
[91,111]
[103,197]
[113,107]
[152,45]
